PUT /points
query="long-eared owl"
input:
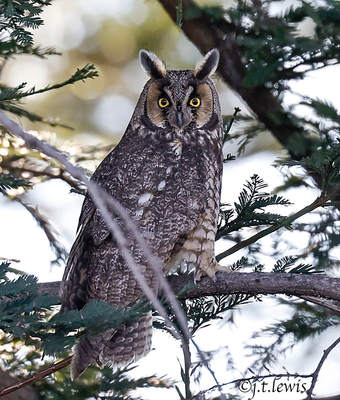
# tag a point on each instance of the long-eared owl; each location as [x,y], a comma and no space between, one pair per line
[166,171]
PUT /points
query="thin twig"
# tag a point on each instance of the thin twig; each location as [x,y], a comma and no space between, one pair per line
[48,229]
[322,302]
[319,202]
[316,373]
[212,373]
[36,377]
[230,123]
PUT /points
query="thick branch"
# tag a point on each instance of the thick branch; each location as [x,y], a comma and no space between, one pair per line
[254,283]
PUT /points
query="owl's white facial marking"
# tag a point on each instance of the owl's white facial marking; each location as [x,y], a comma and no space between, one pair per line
[179,114]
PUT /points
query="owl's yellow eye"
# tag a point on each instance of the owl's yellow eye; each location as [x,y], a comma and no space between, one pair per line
[195,102]
[163,102]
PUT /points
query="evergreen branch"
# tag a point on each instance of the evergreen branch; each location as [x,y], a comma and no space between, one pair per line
[89,71]
[33,117]
[285,222]
[316,373]
[36,377]
[117,382]
[49,172]
[250,208]
[17,16]
[230,123]
[11,48]
[12,182]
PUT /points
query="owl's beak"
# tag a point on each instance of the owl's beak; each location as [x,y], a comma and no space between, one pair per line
[179,119]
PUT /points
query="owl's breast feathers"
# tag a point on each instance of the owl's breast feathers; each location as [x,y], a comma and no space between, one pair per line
[163,182]
[169,186]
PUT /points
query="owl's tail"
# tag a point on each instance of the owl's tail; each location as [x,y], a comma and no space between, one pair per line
[113,348]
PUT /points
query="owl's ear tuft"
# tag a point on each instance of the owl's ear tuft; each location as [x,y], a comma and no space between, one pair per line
[152,65]
[208,66]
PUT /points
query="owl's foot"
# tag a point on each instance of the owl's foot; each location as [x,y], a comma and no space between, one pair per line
[210,270]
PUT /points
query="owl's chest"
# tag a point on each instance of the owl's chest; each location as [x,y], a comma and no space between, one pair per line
[153,173]
[165,159]
[183,165]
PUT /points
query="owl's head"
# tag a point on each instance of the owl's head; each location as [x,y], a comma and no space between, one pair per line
[182,99]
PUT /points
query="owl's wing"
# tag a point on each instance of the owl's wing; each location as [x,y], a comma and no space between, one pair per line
[164,192]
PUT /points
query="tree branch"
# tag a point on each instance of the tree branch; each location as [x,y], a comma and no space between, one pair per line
[254,283]
[329,304]
[316,373]
[36,377]
[285,222]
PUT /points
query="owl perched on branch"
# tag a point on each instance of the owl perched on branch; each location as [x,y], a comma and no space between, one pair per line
[166,171]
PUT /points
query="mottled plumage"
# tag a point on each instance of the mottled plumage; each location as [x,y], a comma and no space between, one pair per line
[166,171]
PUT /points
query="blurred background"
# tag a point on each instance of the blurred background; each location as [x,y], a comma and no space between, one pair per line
[109,34]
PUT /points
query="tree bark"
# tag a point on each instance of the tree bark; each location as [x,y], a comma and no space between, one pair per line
[253,283]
